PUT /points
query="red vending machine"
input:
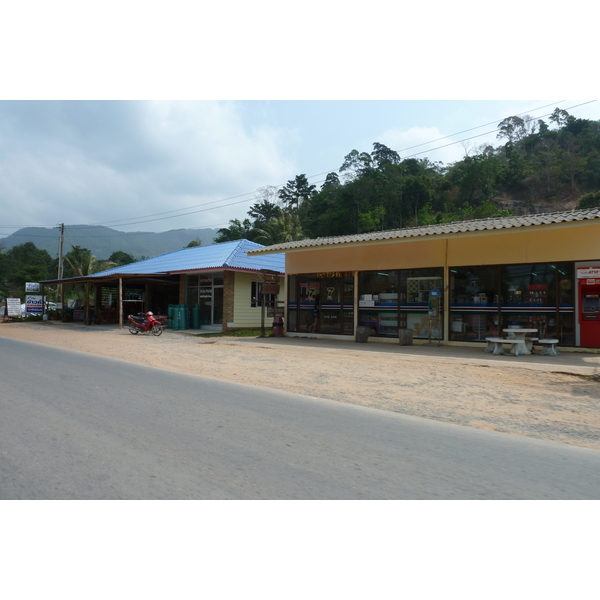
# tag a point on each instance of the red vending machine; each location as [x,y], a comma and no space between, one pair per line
[589,306]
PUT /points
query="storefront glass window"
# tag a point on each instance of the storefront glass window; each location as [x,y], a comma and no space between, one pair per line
[416,286]
[474,293]
[488,299]
[292,316]
[529,297]
[327,296]
[566,303]
[378,301]
[206,291]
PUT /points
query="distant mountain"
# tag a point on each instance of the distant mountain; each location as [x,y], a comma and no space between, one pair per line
[103,241]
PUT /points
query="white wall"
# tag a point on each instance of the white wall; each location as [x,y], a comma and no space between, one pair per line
[245,315]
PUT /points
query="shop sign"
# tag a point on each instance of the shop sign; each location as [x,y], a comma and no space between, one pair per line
[13,307]
[33,305]
[434,303]
[270,288]
[588,272]
[334,274]
[31,286]
[275,311]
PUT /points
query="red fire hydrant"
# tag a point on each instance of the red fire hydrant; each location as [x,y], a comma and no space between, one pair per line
[278,326]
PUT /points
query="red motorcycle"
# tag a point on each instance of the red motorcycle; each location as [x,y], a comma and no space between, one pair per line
[144,323]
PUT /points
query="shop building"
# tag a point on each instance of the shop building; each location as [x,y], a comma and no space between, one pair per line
[221,280]
[456,282]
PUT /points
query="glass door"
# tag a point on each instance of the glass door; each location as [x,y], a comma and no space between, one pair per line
[217,315]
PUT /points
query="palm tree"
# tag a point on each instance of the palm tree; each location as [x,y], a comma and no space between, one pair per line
[82,263]
[285,227]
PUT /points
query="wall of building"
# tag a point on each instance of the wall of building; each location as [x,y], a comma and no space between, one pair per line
[561,242]
[244,315]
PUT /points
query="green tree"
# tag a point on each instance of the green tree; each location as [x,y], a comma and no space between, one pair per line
[261,212]
[591,200]
[286,227]
[512,129]
[79,262]
[559,117]
[296,192]
[120,258]
[356,163]
[332,181]
[237,230]
[382,156]
[25,262]
[371,220]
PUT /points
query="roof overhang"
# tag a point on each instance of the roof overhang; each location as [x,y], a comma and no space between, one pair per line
[480,227]
[111,277]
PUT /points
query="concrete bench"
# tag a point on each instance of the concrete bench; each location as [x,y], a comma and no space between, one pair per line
[549,347]
[497,345]
[529,343]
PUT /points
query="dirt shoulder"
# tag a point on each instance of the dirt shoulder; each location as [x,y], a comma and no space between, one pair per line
[555,406]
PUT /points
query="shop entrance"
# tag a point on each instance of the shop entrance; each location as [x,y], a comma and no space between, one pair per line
[326,297]
[207,292]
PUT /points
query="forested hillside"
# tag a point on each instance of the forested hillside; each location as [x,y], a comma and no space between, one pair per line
[536,167]
[103,241]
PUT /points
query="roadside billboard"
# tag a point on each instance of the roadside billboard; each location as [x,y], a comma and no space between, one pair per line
[34,305]
[13,307]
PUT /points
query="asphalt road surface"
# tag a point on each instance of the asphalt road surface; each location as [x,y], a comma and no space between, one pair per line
[75,426]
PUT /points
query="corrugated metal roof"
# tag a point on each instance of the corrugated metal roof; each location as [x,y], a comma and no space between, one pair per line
[232,255]
[440,229]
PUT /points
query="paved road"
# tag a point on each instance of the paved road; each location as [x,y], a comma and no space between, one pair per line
[75,426]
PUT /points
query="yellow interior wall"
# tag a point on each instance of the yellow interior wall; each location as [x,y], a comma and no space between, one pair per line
[565,242]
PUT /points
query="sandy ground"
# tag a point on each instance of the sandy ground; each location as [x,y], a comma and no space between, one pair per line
[553,406]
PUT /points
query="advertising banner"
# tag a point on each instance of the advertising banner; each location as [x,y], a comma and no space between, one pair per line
[587,272]
[13,306]
[31,286]
[34,305]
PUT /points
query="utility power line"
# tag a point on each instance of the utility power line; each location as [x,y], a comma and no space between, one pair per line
[170,214]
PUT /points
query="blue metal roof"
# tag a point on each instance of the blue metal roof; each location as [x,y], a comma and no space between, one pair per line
[228,255]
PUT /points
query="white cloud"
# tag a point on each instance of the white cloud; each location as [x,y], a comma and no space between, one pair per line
[421,142]
[93,162]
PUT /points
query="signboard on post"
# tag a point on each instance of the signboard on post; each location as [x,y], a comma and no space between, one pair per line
[434,303]
[434,316]
[31,286]
[270,288]
[13,307]
[34,305]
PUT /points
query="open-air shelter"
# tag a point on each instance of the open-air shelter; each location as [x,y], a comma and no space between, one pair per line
[221,279]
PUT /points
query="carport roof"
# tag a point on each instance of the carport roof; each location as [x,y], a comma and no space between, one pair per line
[228,255]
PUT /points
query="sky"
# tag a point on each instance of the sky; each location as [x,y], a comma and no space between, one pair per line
[159,165]
[168,119]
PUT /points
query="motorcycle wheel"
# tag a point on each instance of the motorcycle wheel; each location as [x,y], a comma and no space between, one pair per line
[157,329]
[133,329]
